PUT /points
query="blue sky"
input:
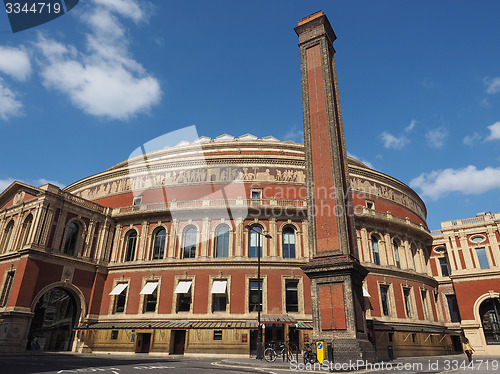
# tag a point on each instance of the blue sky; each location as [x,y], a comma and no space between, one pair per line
[419,87]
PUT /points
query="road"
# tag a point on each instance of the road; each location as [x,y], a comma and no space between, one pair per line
[108,364]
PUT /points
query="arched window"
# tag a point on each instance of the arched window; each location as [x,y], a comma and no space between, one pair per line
[375,250]
[26,230]
[159,244]
[413,250]
[255,242]
[71,239]
[396,254]
[6,237]
[131,244]
[489,312]
[289,242]
[222,241]
[189,247]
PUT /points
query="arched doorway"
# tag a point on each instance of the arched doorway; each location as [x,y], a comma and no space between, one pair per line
[489,311]
[54,320]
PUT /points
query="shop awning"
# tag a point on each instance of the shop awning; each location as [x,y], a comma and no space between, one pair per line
[219,287]
[277,319]
[170,325]
[304,326]
[183,287]
[118,289]
[149,288]
[365,293]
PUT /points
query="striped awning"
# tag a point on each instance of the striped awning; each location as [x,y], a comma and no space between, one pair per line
[277,319]
[305,326]
[169,325]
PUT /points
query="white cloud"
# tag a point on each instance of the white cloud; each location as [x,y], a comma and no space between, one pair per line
[471,139]
[411,126]
[469,181]
[436,137]
[391,141]
[494,131]
[42,181]
[295,134]
[104,80]
[9,104]
[492,85]
[4,183]
[15,62]
[367,163]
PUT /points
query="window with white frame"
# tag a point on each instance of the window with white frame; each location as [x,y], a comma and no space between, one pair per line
[375,250]
[222,241]
[292,296]
[159,239]
[288,242]
[120,297]
[253,295]
[407,301]
[256,196]
[7,286]
[189,244]
[130,245]
[256,242]
[219,295]
[183,292]
[453,308]
[424,303]
[150,292]
[396,254]
[25,231]
[445,269]
[384,300]
[7,233]
[482,258]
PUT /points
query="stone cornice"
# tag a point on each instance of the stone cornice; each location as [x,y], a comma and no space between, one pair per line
[406,274]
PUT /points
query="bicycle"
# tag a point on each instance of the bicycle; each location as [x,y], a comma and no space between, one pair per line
[310,353]
[282,350]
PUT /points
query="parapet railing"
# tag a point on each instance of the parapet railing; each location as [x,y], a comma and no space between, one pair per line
[210,203]
[364,211]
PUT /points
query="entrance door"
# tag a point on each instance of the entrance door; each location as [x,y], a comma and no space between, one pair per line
[143,343]
[54,320]
[179,341]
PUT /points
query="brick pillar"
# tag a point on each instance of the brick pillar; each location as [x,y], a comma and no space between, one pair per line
[334,269]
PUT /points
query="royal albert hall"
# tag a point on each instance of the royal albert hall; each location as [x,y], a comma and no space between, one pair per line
[153,255]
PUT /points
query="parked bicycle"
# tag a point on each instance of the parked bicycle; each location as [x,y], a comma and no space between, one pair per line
[276,350]
[309,353]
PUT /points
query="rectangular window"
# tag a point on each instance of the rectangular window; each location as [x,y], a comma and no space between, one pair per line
[445,270]
[114,334]
[292,296]
[183,291]
[253,296]
[150,296]
[217,334]
[120,293]
[256,197]
[453,308]
[370,204]
[407,297]
[424,303]
[219,296]
[483,260]
[384,298]
[6,288]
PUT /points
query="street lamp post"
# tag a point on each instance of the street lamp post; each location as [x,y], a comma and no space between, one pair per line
[259,327]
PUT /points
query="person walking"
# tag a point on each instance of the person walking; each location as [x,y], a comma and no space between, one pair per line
[467,347]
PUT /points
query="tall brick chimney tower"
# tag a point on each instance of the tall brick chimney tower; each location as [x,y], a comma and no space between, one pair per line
[334,269]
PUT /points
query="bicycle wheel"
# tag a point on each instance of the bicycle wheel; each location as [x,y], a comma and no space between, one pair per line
[270,355]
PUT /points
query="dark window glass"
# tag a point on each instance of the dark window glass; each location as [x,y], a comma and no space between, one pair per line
[120,301]
[489,312]
[6,237]
[184,302]
[71,239]
[289,243]
[445,269]
[376,255]
[222,242]
[219,302]
[131,244]
[292,296]
[253,302]
[26,230]
[189,248]
[150,301]
[256,197]
[396,254]
[384,297]
[407,297]
[255,241]
[413,254]
[159,244]
[114,334]
[391,336]
[424,303]
[6,289]
[453,308]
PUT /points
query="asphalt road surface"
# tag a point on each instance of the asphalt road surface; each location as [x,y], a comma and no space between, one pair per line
[108,364]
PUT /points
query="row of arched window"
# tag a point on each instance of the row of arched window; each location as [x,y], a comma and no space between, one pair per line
[221,243]
[396,247]
[7,234]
